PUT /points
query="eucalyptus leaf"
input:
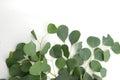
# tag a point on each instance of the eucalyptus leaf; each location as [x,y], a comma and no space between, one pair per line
[99,54]
[45,48]
[62,32]
[56,51]
[39,67]
[95,66]
[65,50]
[60,63]
[30,77]
[30,49]
[78,71]
[34,34]
[10,62]
[107,41]
[25,66]
[106,55]
[14,78]
[71,63]
[51,28]
[93,41]
[18,55]
[15,70]
[20,46]
[74,36]
[103,72]
[79,60]
[78,47]
[116,48]
[85,53]
[87,76]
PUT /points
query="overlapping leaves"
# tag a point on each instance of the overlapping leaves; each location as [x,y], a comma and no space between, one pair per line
[26,63]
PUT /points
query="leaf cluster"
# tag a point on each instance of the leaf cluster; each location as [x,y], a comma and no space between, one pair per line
[26,63]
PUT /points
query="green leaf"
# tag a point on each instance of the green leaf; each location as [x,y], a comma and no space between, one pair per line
[71,63]
[95,66]
[51,28]
[10,62]
[98,54]
[34,34]
[87,76]
[30,77]
[79,60]
[45,48]
[103,72]
[85,53]
[74,36]
[30,49]
[78,71]
[106,55]
[62,32]
[56,51]
[15,70]
[78,47]
[39,67]
[93,41]
[20,46]
[107,41]
[65,50]
[116,48]
[14,78]
[18,55]
[25,66]
[60,62]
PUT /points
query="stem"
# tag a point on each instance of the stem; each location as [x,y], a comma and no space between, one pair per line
[40,77]
[53,68]
[42,40]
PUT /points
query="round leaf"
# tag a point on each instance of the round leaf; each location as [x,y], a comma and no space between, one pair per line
[95,66]
[85,53]
[116,48]
[103,72]
[98,54]
[51,28]
[60,62]
[93,41]
[62,32]
[74,36]
[30,49]
[56,51]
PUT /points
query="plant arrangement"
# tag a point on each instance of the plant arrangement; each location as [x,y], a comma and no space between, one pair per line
[85,63]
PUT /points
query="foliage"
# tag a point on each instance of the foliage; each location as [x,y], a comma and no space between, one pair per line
[26,63]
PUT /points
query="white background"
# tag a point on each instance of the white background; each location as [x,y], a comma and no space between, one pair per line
[91,17]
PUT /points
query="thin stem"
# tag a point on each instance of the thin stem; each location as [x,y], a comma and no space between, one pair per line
[53,68]
[40,77]
[53,74]
[42,40]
